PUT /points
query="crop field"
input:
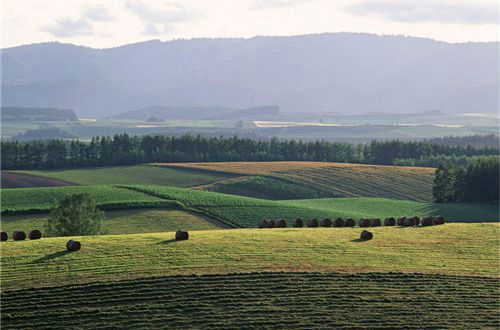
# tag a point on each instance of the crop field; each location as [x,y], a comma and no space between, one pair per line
[451,249]
[271,300]
[139,174]
[283,180]
[41,199]
[383,207]
[121,221]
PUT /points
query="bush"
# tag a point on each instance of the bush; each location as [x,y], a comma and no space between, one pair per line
[74,215]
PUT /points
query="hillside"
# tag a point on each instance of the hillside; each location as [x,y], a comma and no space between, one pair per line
[23,114]
[332,72]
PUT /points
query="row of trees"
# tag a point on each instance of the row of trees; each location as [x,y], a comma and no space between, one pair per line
[123,149]
[476,182]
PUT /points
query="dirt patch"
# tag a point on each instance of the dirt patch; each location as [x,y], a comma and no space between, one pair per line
[23,180]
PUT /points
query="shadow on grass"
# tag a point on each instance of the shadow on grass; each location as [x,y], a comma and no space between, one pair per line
[358,240]
[50,256]
[167,241]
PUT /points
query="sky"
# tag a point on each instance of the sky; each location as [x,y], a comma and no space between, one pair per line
[110,23]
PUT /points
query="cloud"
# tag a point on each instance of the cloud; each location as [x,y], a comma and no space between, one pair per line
[67,27]
[97,14]
[410,11]
[266,4]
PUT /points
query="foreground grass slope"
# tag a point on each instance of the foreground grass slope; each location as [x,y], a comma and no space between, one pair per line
[272,300]
[454,249]
[295,180]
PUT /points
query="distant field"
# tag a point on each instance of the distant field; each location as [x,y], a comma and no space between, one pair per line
[383,207]
[40,199]
[139,174]
[290,180]
[270,300]
[453,249]
[24,180]
[121,221]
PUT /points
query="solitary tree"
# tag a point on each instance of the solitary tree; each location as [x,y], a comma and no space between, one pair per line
[74,215]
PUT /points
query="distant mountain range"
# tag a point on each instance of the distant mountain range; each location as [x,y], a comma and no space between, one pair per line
[341,72]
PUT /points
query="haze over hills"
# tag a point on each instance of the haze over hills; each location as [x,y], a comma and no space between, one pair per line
[339,72]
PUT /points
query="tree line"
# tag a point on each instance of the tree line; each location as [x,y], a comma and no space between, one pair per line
[478,181]
[123,149]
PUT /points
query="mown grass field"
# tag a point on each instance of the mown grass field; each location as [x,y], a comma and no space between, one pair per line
[138,174]
[121,221]
[451,249]
[290,180]
[271,300]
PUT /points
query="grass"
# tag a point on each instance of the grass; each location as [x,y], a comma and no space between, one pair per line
[383,207]
[272,300]
[451,249]
[284,180]
[139,174]
[121,221]
[41,199]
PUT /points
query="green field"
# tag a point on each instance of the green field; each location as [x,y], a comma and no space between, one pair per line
[383,207]
[122,221]
[453,249]
[139,174]
[258,301]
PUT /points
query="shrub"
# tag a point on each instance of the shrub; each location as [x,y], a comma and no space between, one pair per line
[376,223]
[366,235]
[298,223]
[313,223]
[339,222]
[74,215]
[326,222]
[350,222]
[35,234]
[19,235]
[4,236]
[364,222]
[73,245]
[181,235]
[389,222]
[263,223]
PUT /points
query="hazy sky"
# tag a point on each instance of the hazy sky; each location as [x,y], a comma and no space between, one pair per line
[111,23]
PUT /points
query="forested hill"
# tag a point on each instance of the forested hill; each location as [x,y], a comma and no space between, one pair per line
[333,72]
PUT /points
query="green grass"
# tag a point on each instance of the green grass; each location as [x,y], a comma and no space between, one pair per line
[121,221]
[41,199]
[139,174]
[453,249]
[257,301]
[383,207]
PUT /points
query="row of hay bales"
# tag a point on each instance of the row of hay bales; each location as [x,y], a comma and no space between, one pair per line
[340,222]
[19,235]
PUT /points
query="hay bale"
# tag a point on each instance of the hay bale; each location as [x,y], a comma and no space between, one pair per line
[326,222]
[366,235]
[298,223]
[4,236]
[364,222]
[417,220]
[181,235]
[350,222]
[281,223]
[263,223]
[271,224]
[427,221]
[73,245]
[389,222]
[339,222]
[376,223]
[35,234]
[18,235]
[312,223]
[439,220]
[401,221]
[409,222]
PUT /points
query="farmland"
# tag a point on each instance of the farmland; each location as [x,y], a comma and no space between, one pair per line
[278,300]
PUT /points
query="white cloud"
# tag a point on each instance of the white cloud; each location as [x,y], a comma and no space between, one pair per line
[67,27]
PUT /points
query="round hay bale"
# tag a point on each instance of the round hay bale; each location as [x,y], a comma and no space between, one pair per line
[281,223]
[376,223]
[439,220]
[298,223]
[427,221]
[326,222]
[181,235]
[35,234]
[366,235]
[263,223]
[73,245]
[339,222]
[409,222]
[271,224]
[417,220]
[364,222]
[401,221]
[4,236]
[350,222]
[312,223]
[18,235]
[389,222]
